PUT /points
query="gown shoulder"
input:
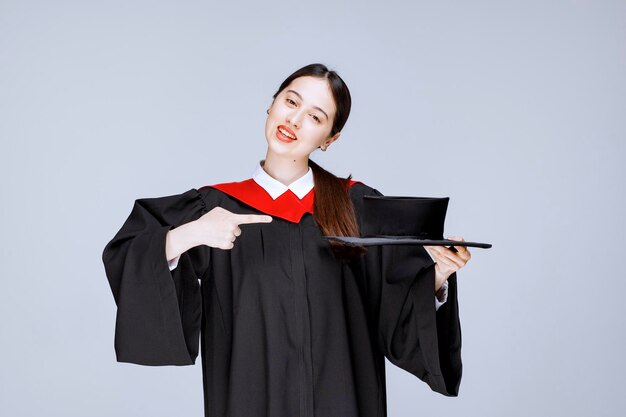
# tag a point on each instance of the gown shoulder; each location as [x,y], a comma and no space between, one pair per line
[359,189]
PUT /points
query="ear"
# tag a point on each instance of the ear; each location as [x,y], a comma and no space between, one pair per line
[330,140]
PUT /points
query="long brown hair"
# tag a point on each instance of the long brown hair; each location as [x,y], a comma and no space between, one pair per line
[333,208]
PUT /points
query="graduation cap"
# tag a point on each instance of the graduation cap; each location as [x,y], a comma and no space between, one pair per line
[397,220]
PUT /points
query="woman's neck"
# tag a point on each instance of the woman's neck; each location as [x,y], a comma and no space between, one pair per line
[285,170]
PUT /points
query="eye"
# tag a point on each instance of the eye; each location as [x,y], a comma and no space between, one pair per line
[290,101]
[317,119]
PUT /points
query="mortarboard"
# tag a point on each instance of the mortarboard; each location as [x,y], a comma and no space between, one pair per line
[399,220]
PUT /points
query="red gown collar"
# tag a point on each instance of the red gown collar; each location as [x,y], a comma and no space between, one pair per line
[287,206]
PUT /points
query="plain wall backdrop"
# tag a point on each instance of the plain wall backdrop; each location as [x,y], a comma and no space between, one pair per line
[516,110]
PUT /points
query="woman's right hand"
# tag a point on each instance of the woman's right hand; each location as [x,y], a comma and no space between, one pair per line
[218,229]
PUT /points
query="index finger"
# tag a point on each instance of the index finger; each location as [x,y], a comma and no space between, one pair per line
[252,218]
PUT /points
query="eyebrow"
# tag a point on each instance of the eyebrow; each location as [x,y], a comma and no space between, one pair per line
[315,107]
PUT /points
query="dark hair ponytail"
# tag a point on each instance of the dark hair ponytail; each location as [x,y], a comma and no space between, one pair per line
[333,210]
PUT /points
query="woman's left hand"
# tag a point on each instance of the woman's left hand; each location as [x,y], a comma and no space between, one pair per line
[448,261]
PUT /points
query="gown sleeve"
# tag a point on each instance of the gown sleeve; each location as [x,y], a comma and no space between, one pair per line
[158,310]
[412,334]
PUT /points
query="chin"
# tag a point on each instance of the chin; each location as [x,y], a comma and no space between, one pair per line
[273,146]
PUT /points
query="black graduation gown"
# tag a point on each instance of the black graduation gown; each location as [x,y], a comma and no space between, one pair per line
[286,329]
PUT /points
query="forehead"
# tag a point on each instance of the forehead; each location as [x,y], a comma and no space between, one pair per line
[314,91]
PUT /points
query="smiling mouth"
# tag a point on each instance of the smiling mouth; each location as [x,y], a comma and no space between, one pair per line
[285,135]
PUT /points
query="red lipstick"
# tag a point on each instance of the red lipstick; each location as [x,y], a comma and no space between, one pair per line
[288,137]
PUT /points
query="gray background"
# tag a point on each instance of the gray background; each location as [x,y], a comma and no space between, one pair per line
[515,110]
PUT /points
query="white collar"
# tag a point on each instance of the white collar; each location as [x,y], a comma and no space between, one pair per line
[275,188]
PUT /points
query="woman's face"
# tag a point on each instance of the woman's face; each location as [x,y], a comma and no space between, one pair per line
[300,118]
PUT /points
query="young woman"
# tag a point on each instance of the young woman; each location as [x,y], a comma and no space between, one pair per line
[290,324]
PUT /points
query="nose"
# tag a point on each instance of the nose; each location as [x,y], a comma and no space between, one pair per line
[295,117]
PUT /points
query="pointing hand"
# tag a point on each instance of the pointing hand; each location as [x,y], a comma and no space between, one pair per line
[219,227]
